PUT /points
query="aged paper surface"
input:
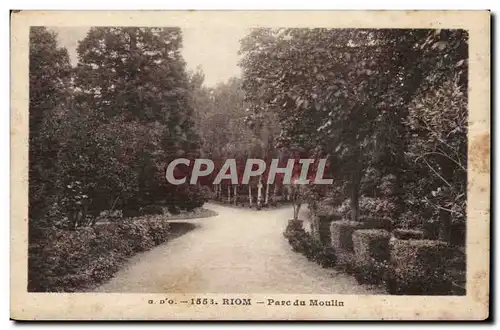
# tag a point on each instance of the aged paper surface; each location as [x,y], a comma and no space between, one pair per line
[185,299]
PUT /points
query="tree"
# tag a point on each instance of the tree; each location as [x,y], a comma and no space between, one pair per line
[133,94]
[438,121]
[347,95]
[324,99]
[49,87]
[220,121]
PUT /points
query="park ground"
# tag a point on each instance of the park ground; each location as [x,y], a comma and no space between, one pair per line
[237,251]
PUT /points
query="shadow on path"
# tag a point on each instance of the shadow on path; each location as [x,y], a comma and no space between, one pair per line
[179,228]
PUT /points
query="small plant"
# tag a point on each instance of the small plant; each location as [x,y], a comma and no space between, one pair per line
[371,271]
[304,243]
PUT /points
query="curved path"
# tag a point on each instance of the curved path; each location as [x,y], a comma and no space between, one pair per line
[238,251]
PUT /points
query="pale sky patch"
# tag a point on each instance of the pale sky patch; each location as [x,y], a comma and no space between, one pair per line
[215,50]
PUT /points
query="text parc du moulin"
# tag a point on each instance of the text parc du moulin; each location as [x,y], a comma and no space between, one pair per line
[312,302]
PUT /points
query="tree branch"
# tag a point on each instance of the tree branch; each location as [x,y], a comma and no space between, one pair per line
[444,155]
[433,170]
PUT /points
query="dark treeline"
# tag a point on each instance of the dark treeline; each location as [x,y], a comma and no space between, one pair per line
[102,133]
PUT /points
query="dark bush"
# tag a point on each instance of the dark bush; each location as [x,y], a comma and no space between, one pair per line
[67,261]
[376,222]
[408,234]
[370,271]
[417,280]
[151,209]
[341,233]
[326,257]
[345,261]
[418,267]
[304,243]
[158,231]
[371,244]
[324,221]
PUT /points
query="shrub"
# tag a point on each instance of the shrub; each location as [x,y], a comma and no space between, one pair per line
[68,261]
[408,234]
[311,248]
[371,244]
[304,243]
[326,257]
[417,268]
[456,267]
[418,280]
[345,261]
[151,209]
[341,233]
[370,271]
[136,234]
[383,207]
[371,252]
[375,222]
[158,230]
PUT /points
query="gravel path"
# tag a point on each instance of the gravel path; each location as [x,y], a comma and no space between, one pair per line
[238,251]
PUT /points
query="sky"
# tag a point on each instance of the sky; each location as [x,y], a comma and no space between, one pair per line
[214,50]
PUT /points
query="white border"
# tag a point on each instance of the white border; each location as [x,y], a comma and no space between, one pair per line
[186,4]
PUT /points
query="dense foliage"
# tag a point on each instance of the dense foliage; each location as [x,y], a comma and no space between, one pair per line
[101,134]
[75,260]
[388,108]
[227,131]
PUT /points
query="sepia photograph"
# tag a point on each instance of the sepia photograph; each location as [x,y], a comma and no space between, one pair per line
[200,165]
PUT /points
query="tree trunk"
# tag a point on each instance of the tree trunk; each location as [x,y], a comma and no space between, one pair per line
[250,194]
[445,226]
[275,191]
[235,194]
[266,202]
[315,224]
[259,193]
[355,183]
[297,210]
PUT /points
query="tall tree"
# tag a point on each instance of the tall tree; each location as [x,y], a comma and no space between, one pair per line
[132,82]
[49,87]
[344,94]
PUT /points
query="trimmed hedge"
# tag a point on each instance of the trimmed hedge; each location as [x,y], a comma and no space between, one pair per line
[346,261]
[371,271]
[68,261]
[408,234]
[371,251]
[341,233]
[418,267]
[371,243]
